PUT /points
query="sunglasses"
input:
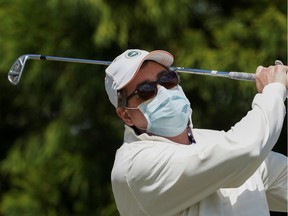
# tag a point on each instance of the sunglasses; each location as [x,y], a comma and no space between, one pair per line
[147,90]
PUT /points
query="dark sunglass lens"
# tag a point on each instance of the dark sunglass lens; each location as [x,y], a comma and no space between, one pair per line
[147,91]
[169,80]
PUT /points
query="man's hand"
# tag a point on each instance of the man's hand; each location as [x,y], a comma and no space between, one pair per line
[266,75]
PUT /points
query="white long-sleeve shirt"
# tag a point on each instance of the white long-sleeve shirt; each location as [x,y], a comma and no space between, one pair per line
[230,173]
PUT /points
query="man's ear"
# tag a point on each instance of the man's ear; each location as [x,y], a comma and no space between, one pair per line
[124,115]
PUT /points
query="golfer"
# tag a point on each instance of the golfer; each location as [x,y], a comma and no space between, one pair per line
[165,167]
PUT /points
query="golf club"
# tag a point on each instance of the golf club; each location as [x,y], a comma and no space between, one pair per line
[17,68]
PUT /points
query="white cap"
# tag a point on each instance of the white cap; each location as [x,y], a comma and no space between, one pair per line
[124,68]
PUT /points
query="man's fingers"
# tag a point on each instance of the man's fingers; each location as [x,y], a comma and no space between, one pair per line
[260,79]
[259,68]
[276,73]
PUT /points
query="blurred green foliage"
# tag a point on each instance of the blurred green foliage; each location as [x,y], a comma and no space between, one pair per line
[58,131]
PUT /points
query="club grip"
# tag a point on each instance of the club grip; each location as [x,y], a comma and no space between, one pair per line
[242,76]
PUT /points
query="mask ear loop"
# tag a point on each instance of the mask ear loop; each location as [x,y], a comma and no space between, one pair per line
[121,96]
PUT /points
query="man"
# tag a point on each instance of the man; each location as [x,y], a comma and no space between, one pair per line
[165,167]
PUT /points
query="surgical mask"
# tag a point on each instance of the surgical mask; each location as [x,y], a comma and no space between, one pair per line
[167,113]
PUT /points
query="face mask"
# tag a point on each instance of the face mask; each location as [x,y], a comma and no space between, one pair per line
[168,113]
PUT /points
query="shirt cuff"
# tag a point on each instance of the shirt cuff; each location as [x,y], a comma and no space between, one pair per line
[275,89]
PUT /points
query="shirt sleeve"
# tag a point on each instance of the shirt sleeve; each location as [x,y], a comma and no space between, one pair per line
[274,175]
[218,160]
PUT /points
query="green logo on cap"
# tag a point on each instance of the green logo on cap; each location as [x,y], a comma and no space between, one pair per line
[133,53]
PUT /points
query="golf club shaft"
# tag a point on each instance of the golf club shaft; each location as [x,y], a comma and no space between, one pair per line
[232,75]
[75,60]
[17,68]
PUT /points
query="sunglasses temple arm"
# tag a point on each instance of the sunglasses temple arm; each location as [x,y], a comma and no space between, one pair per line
[232,74]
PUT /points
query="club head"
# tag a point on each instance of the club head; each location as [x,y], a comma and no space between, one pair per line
[16,70]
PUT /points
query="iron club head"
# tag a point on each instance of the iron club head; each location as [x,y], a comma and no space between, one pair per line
[16,70]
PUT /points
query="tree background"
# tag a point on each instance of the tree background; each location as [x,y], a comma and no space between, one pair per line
[58,131]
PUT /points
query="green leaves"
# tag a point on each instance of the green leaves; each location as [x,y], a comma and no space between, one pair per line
[58,131]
